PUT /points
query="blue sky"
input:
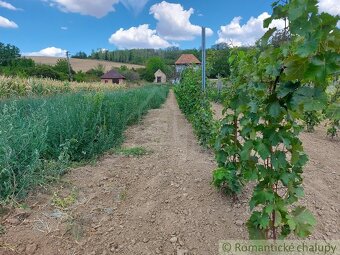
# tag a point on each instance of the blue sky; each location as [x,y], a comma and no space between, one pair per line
[49,27]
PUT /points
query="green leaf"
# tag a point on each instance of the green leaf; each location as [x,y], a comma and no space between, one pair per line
[312,99]
[255,233]
[321,66]
[252,134]
[301,221]
[274,109]
[278,218]
[285,178]
[308,48]
[245,154]
[295,11]
[268,34]
[264,221]
[261,197]
[263,151]
[286,88]
[268,209]
[267,22]
[232,59]
[295,67]
[333,111]
[299,192]
[279,160]
[291,223]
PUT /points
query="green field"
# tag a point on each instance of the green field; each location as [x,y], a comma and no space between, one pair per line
[40,137]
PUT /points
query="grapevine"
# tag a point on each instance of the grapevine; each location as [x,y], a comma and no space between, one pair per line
[274,84]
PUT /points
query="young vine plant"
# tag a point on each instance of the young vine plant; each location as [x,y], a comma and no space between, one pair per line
[333,109]
[274,84]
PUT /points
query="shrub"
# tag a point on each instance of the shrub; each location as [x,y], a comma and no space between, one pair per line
[196,106]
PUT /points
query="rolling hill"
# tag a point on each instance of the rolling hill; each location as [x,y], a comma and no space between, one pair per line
[83,64]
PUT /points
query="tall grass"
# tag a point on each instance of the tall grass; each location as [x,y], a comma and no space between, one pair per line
[39,137]
[20,87]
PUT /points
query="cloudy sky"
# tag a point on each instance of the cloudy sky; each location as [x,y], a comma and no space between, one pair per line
[49,27]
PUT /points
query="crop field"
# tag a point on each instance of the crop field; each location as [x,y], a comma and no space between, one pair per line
[41,135]
[19,87]
[84,64]
[252,156]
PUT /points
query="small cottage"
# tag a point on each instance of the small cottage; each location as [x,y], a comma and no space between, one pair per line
[186,60]
[160,77]
[113,77]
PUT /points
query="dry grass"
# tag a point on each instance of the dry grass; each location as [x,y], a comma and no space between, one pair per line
[14,86]
[84,64]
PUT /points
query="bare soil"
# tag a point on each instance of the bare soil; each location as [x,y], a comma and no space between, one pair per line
[160,203]
[84,64]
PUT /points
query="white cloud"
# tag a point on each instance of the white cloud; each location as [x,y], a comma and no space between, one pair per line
[8,6]
[135,5]
[48,52]
[138,37]
[6,23]
[240,35]
[330,6]
[97,8]
[174,22]
[64,28]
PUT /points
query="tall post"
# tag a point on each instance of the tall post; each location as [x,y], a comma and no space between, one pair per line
[203,60]
[69,66]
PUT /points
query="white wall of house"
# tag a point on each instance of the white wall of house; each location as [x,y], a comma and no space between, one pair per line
[160,77]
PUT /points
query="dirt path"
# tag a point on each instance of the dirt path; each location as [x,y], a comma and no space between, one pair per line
[161,203]
[321,180]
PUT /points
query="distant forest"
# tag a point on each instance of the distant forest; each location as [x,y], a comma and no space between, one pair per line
[140,56]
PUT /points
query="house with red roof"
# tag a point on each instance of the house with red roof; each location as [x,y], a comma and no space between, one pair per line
[186,60]
[113,77]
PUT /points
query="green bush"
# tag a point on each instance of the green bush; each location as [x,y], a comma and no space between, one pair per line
[311,119]
[39,136]
[196,107]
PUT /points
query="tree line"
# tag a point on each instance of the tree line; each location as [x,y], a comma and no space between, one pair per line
[13,64]
[217,57]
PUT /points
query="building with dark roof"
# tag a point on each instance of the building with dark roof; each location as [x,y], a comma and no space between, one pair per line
[113,77]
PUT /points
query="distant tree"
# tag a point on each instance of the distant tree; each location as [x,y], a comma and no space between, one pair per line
[94,74]
[152,66]
[61,66]
[130,74]
[141,56]
[45,71]
[217,61]
[80,55]
[220,46]
[80,76]
[100,69]
[23,63]
[123,68]
[8,53]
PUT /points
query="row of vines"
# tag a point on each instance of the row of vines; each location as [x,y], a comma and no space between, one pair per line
[276,85]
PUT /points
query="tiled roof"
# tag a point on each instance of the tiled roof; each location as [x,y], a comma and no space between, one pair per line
[112,75]
[186,59]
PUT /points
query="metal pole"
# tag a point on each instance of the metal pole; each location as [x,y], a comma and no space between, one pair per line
[203,60]
[69,66]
